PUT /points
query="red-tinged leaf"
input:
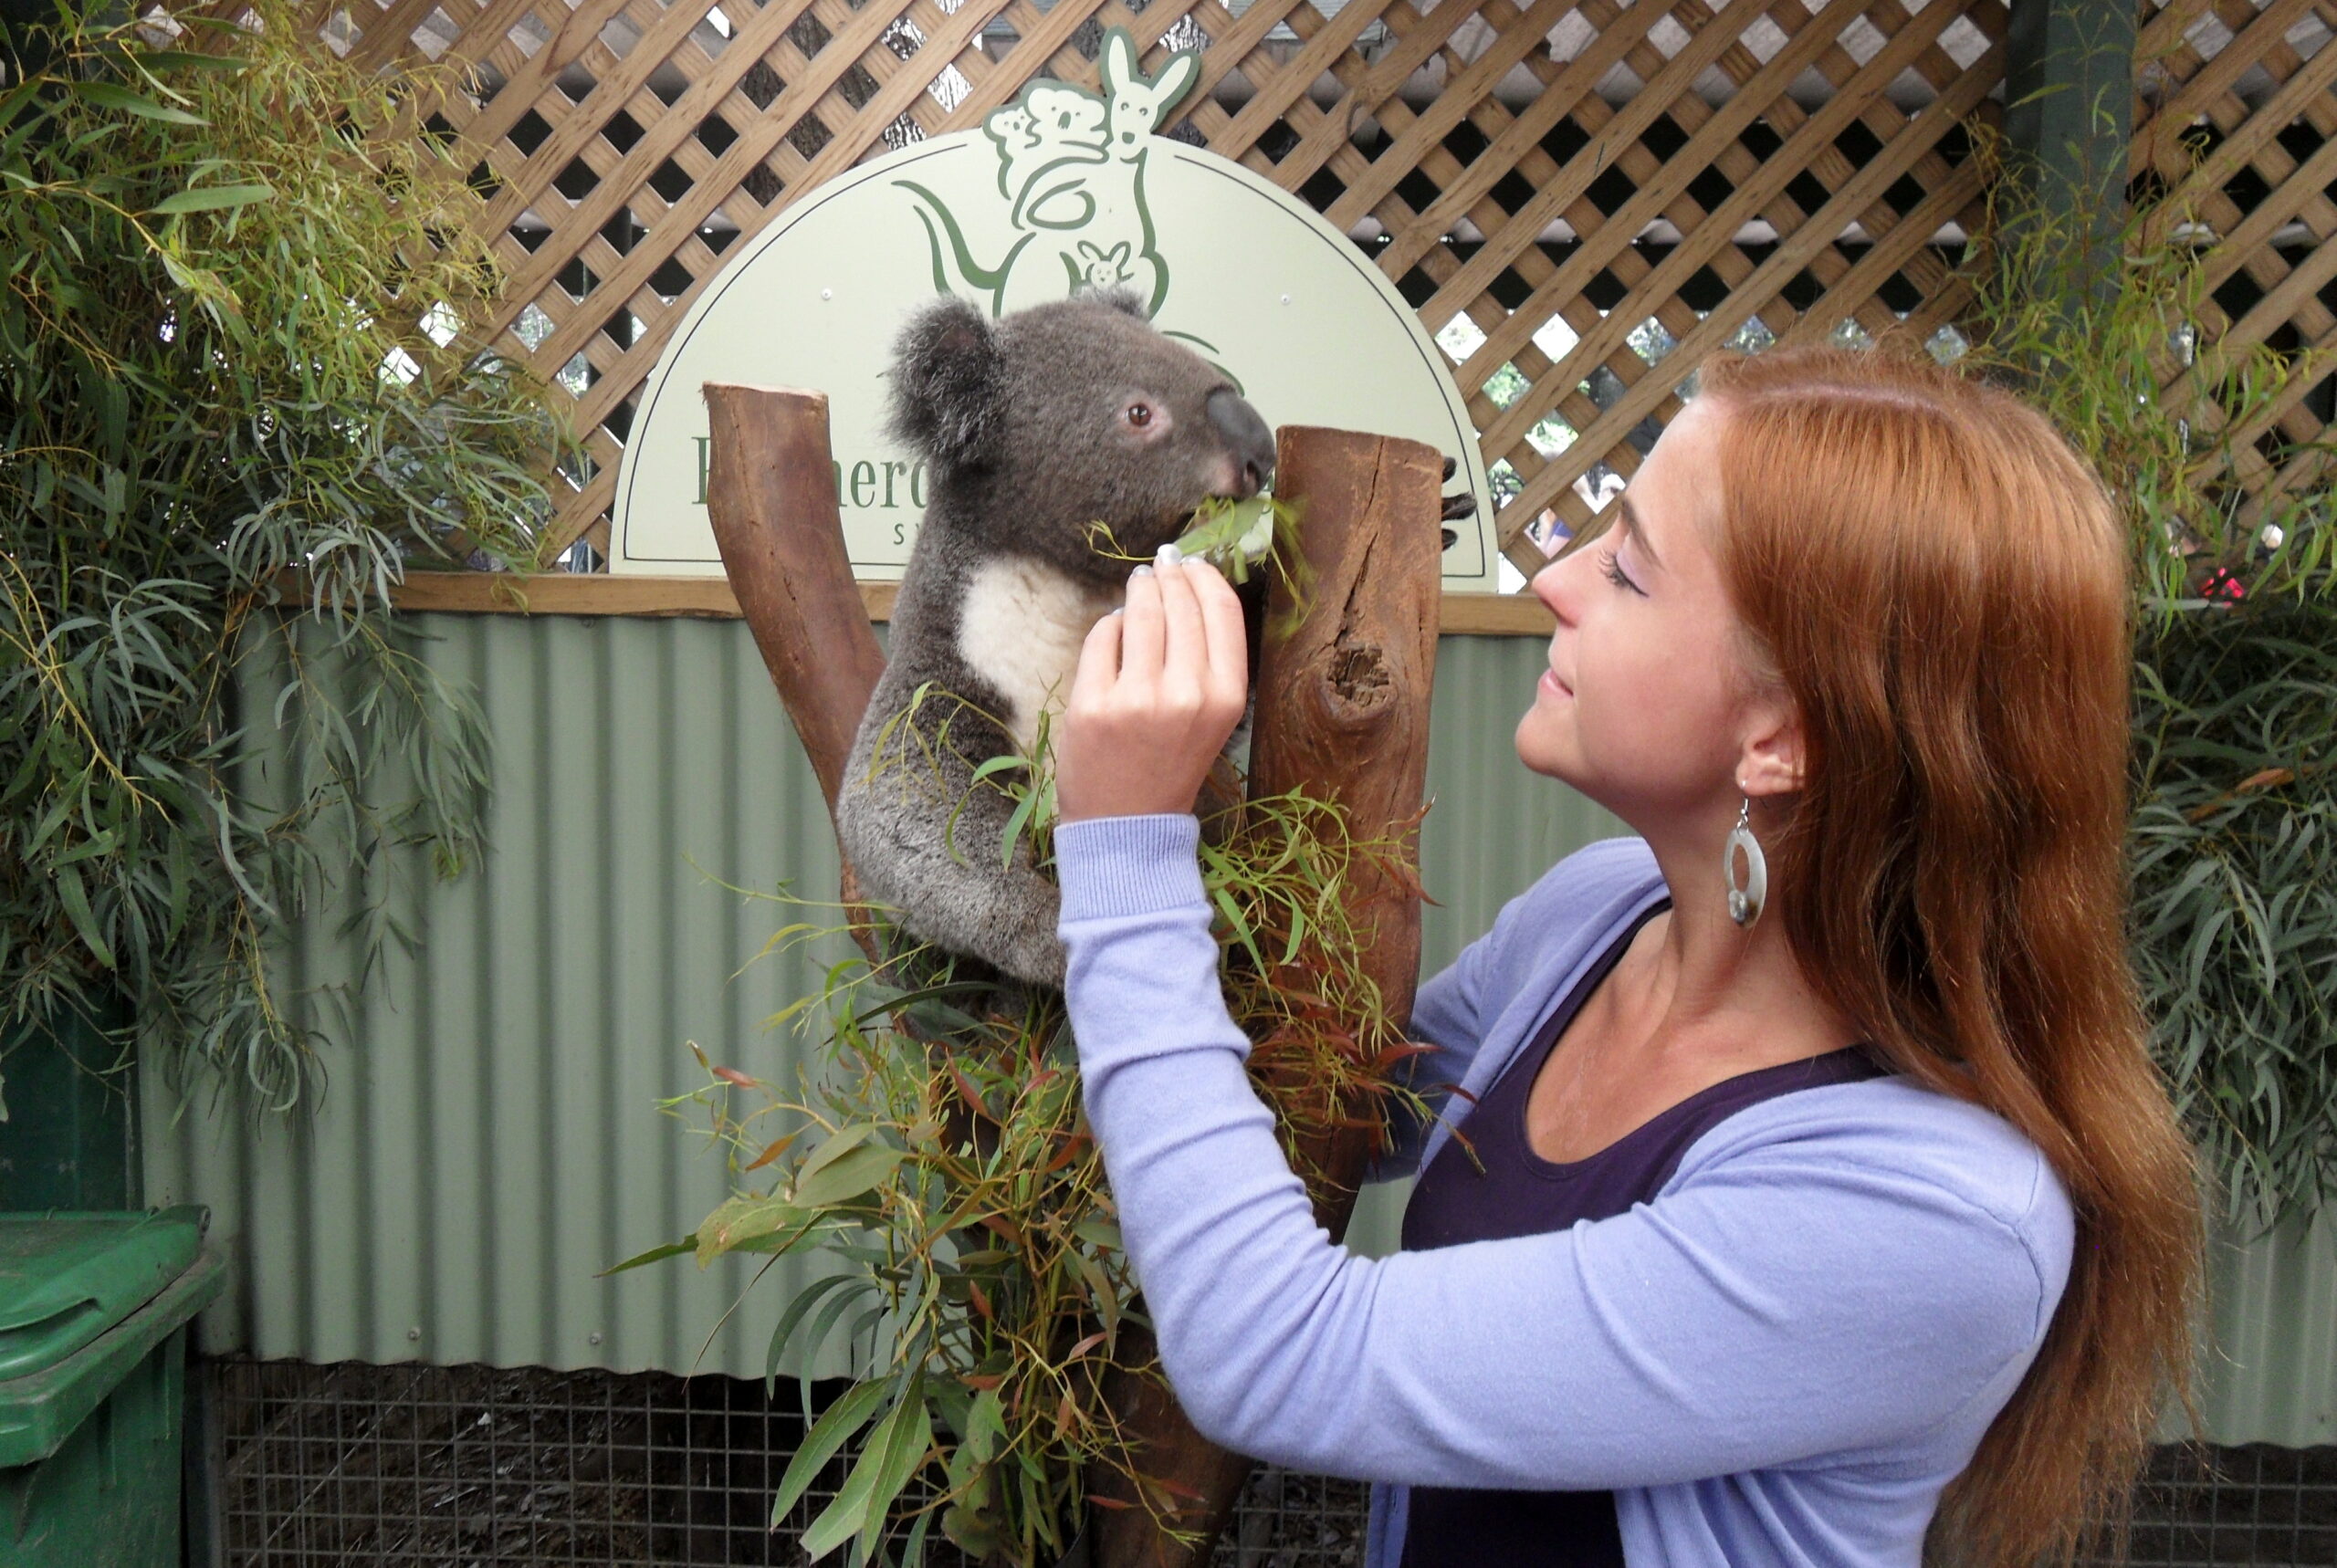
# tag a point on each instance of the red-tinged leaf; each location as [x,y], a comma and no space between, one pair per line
[1084,1346]
[971,1095]
[1004,1226]
[1073,1148]
[1066,1418]
[732,1076]
[981,1301]
[980,1381]
[1115,1503]
[777,1148]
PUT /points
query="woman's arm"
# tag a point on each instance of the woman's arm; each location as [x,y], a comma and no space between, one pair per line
[1807,1295]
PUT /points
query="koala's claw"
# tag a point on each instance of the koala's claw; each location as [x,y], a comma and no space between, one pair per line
[1457,506]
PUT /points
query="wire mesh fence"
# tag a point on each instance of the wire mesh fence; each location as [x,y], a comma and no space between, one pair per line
[2253,1504]
[353,1463]
[435,1467]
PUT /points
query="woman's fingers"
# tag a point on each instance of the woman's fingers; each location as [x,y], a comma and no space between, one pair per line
[1228,637]
[1141,639]
[1156,690]
[1099,661]
[1185,651]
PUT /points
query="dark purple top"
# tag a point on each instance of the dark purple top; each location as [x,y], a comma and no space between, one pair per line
[1507,1189]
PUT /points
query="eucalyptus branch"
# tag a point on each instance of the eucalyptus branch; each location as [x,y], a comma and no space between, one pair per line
[217,256]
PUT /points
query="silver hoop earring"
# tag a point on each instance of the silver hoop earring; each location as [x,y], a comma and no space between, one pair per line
[1745,903]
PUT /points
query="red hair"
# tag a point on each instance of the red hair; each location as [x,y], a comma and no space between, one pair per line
[1940,581]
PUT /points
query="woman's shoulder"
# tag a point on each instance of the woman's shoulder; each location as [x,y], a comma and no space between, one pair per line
[1598,885]
[1891,1144]
[1602,868]
[1547,931]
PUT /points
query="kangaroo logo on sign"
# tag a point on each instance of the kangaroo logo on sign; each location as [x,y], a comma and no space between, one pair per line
[1071,167]
[1061,190]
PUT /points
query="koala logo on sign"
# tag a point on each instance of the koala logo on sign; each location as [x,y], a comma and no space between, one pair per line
[1071,170]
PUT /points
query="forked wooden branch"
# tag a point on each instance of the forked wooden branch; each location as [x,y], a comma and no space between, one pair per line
[1341,712]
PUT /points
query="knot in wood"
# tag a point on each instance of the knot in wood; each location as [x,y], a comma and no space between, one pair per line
[1358,673]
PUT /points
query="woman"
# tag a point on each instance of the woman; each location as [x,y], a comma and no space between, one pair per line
[1813,1217]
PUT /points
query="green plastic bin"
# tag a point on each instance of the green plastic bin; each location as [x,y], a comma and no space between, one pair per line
[94,1310]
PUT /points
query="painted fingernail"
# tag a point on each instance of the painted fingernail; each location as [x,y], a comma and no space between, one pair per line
[1141,571]
[1168,555]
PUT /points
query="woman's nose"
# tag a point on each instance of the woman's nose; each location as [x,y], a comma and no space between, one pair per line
[1549,587]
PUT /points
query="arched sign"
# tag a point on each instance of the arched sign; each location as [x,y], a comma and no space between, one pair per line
[1061,191]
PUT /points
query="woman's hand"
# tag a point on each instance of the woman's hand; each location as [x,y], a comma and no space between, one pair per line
[1160,685]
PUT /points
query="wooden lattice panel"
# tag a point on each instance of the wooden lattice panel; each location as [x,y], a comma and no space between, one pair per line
[2236,122]
[1582,197]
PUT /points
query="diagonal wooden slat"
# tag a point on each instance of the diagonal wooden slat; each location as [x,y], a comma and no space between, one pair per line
[1791,255]
[1400,110]
[1723,222]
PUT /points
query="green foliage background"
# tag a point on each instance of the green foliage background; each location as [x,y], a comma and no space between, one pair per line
[2233,843]
[233,345]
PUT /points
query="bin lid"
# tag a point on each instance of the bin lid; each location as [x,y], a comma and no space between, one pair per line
[65,1279]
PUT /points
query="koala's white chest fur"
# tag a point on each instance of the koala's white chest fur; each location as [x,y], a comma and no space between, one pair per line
[1020,626]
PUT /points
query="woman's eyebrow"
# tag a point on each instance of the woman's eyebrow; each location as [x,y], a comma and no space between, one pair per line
[1635,533]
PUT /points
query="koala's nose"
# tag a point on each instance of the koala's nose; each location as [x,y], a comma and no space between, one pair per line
[1251,438]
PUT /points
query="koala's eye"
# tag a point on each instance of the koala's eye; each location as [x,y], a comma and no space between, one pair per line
[1138,415]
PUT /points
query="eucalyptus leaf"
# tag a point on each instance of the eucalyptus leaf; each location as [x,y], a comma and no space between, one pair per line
[212,198]
[893,1452]
[846,1178]
[681,1249]
[835,1428]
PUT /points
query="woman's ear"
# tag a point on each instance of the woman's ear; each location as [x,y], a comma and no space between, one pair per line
[947,384]
[1771,758]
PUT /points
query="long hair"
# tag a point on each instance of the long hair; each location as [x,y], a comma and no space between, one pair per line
[1941,583]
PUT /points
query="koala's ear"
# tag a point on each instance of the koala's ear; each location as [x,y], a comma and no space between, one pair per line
[948,383]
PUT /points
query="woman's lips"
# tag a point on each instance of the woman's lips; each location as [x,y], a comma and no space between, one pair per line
[1554,687]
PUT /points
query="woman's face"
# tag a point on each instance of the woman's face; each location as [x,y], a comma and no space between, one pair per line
[1646,704]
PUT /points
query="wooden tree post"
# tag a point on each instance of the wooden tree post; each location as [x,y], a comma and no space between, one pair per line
[1341,712]
[770,494]
[1343,701]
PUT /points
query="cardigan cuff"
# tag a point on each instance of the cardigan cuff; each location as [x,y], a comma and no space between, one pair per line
[1117,866]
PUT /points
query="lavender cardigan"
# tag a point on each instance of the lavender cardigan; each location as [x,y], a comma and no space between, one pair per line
[1781,1360]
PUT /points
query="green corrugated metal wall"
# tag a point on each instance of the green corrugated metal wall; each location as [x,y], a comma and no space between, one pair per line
[488,1137]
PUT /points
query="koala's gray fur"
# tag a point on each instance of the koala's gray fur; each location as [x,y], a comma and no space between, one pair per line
[1026,429]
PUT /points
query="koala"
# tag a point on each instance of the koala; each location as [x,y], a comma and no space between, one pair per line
[1033,428]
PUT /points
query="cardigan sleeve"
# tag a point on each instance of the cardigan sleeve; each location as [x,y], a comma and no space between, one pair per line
[1813,1282]
[1449,1013]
